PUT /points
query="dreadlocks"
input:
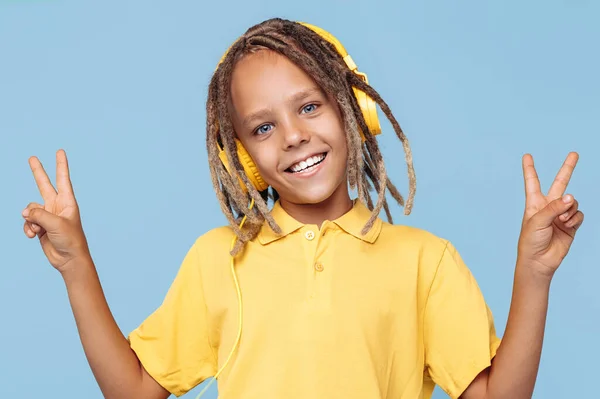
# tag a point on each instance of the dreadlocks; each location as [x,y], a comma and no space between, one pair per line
[320,60]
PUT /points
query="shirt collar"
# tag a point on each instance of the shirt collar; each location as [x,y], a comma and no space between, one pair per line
[352,222]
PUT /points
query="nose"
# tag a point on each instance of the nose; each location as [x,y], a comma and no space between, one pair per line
[294,135]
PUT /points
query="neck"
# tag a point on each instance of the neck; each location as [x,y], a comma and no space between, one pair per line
[332,208]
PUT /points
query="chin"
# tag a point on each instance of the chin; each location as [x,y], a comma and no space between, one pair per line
[313,196]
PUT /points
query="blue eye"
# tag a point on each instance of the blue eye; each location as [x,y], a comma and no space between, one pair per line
[264,129]
[309,108]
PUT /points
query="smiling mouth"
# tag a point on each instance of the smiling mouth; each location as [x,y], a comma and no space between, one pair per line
[308,164]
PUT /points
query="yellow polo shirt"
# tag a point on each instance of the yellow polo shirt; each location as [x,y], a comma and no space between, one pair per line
[327,313]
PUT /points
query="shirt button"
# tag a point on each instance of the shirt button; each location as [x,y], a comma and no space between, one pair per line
[309,235]
[319,267]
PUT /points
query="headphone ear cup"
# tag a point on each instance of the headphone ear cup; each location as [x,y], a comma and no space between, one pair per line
[249,166]
[368,108]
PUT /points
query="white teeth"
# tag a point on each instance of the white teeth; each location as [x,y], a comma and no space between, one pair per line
[310,161]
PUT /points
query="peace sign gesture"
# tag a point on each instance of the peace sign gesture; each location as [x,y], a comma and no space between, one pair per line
[56,222]
[550,221]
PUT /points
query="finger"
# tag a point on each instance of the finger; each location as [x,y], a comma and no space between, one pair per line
[532,182]
[561,181]
[32,229]
[42,218]
[27,229]
[41,179]
[32,226]
[570,212]
[546,216]
[63,179]
[576,221]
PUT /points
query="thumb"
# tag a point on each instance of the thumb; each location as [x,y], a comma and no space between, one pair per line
[43,218]
[554,209]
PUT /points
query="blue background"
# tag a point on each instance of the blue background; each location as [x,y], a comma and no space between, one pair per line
[121,85]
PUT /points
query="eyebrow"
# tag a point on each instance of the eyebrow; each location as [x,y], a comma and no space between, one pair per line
[299,96]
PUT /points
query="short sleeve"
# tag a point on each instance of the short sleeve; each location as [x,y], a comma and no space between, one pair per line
[173,342]
[459,333]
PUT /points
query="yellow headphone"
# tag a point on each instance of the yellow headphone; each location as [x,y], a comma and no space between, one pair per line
[367,106]
[369,111]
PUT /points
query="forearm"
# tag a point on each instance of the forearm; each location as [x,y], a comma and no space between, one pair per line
[515,367]
[114,365]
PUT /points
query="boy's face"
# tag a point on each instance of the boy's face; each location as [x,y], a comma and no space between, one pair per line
[292,130]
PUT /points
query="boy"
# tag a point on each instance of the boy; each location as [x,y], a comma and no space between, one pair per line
[337,303]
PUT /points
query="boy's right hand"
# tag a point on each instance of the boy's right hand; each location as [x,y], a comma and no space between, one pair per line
[56,222]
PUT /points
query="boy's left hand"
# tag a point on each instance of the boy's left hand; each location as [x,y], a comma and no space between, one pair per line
[550,221]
